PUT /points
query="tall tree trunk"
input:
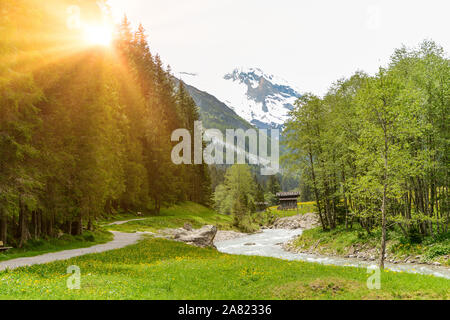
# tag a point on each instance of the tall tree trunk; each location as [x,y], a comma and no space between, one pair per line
[39,223]
[383,206]
[23,230]
[108,206]
[344,181]
[69,227]
[383,228]
[90,226]
[50,226]
[316,193]
[3,225]
[78,225]
[34,224]
[44,226]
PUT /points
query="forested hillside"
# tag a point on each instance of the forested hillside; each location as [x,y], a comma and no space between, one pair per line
[214,113]
[375,150]
[84,130]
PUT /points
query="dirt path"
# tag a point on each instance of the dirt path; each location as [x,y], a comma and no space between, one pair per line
[121,240]
[118,223]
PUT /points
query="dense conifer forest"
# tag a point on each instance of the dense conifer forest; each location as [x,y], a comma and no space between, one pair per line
[84,130]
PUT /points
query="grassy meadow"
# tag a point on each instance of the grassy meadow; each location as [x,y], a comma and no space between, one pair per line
[175,217]
[161,269]
[303,208]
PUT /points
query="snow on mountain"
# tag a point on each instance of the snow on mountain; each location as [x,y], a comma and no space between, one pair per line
[262,99]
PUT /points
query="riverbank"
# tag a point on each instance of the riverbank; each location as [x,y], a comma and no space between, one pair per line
[270,243]
[355,243]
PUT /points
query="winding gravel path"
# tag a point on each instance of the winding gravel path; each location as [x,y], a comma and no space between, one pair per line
[118,223]
[121,240]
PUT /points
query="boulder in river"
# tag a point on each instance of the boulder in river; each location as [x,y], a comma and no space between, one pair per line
[203,238]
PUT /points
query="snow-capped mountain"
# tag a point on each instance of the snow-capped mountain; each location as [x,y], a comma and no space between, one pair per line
[262,99]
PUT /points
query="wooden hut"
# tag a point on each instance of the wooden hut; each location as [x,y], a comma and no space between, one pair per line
[288,200]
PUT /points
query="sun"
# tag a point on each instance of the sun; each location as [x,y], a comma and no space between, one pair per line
[98,35]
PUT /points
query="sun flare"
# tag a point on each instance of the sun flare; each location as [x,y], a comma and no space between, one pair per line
[98,35]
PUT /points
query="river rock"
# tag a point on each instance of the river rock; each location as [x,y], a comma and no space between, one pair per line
[203,238]
[302,221]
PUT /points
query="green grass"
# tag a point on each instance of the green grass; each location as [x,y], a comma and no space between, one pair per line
[66,242]
[340,241]
[118,217]
[175,217]
[336,241]
[161,269]
[303,208]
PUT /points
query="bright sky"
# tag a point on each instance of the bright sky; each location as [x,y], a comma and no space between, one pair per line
[310,43]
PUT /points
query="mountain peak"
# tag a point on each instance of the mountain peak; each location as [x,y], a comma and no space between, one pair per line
[260,98]
[255,73]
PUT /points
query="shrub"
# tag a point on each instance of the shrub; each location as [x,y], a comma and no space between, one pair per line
[89,237]
[438,250]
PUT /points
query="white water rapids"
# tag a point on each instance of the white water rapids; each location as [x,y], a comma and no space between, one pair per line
[269,244]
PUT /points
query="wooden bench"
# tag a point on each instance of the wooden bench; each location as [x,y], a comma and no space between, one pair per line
[2,248]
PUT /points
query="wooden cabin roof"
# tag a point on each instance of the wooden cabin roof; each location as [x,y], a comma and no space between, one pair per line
[289,195]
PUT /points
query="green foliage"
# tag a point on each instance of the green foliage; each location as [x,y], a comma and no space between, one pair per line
[237,195]
[375,149]
[341,241]
[438,250]
[272,188]
[273,185]
[303,208]
[271,198]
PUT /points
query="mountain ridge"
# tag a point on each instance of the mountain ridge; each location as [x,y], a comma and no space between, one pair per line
[214,113]
[261,99]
